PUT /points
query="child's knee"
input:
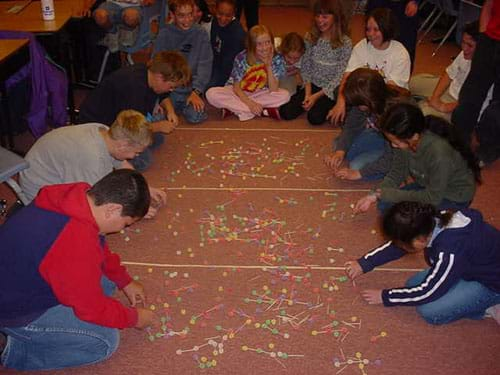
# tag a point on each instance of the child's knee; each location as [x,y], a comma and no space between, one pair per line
[432,316]
[101,17]
[107,343]
[131,17]
[192,116]
[315,118]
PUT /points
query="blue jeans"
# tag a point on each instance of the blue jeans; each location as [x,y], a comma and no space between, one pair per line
[367,147]
[445,204]
[465,299]
[142,161]
[58,339]
[178,98]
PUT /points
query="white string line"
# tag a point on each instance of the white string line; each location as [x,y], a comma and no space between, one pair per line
[266,189]
[258,130]
[226,266]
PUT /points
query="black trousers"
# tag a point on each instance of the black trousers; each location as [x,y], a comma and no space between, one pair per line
[408,26]
[251,8]
[316,115]
[485,71]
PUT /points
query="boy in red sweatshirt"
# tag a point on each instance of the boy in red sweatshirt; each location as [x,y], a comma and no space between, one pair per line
[56,283]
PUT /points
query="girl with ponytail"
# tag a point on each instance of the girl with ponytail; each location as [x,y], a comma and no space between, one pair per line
[463,253]
[443,171]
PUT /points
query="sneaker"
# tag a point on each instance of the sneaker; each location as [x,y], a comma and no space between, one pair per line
[272,112]
[127,37]
[493,312]
[226,113]
[110,41]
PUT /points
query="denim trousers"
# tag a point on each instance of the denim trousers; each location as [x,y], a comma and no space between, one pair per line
[179,97]
[465,299]
[142,161]
[445,204]
[367,147]
[58,339]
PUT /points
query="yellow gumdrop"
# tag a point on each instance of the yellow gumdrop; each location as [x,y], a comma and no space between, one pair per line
[244,348]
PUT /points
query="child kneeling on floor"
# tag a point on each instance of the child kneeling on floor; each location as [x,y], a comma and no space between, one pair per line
[56,283]
[253,86]
[463,252]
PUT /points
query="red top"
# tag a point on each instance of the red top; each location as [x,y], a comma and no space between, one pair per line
[493,28]
[79,257]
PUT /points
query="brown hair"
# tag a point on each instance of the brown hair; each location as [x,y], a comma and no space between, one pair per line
[230,2]
[172,65]
[367,87]
[174,5]
[340,23]
[292,42]
[253,34]
[131,126]
[386,21]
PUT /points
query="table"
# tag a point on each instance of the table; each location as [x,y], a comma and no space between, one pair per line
[14,54]
[30,18]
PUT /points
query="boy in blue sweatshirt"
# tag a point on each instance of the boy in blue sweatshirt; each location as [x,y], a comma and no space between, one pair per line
[192,41]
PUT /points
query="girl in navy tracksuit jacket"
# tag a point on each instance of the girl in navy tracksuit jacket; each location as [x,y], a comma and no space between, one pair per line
[463,252]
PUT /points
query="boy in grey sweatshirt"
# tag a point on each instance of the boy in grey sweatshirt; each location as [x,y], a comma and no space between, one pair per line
[192,41]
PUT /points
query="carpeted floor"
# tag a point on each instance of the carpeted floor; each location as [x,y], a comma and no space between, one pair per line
[243,267]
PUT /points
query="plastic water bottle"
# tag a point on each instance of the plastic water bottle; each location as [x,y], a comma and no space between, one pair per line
[48,12]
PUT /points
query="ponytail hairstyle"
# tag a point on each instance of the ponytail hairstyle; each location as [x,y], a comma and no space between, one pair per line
[405,221]
[403,120]
[367,87]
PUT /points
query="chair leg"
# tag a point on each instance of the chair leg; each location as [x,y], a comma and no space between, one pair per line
[429,17]
[17,189]
[130,60]
[445,38]
[103,66]
[431,26]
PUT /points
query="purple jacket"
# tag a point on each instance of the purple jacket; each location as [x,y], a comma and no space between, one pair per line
[49,86]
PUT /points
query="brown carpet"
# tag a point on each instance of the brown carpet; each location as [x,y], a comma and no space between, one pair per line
[243,267]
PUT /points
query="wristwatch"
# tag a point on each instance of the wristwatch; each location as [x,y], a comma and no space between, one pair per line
[198,92]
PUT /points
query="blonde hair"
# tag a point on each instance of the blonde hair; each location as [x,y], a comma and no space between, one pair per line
[131,126]
[292,42]
[253,34]
[172,65]
[340,23]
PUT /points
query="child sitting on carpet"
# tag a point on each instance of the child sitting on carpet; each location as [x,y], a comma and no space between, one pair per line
[463,252]
[427,151]
[56,283]
[292,47]
[361,142]
[252,88]
[327,51]
[378,51]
